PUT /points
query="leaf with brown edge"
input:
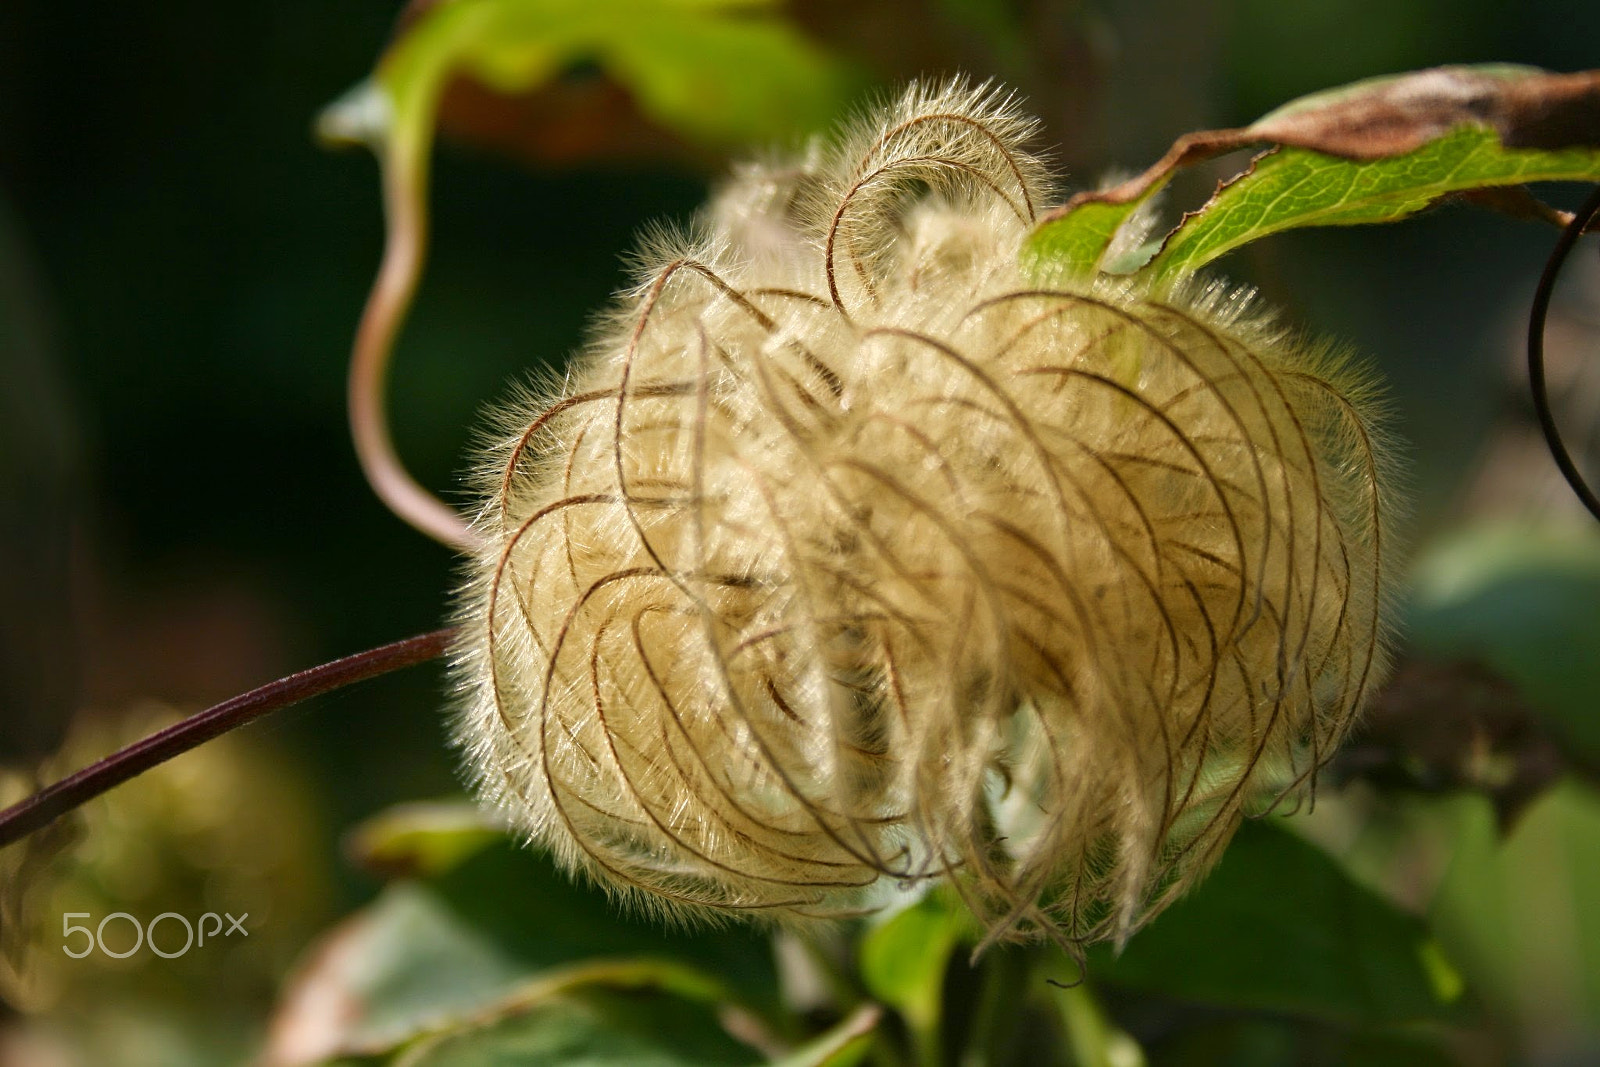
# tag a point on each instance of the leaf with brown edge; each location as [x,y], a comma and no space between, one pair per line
[569,121]
[1389,116]
[517,72]
[1374,151]
[712,72]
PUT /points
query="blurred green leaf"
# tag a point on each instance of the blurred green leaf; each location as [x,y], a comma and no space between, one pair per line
[431,951]
[712,72]
[425,838]
[595,1027]
[903,961]
[516,897]
[1526,602]
[1095,1039]
[716,72]
[629,1013]
[1267,1041]
[1280,926]
[1518,912]
[844,1045]
[399,967]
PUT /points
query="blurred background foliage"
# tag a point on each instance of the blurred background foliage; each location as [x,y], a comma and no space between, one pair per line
[181,517]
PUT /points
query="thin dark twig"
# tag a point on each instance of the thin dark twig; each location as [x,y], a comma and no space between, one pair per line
[49,804]
[1536,320]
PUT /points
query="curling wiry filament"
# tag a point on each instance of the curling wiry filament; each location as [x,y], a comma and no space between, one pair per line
[851,555]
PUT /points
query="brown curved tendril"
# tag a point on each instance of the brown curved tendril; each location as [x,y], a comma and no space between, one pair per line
[1580,223]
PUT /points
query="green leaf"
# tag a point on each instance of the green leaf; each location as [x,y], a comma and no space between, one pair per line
[613,1016]
[1518,911]
[432,952]
[1095,1039]
[1273,1041]
[516,897]
[1293,188]
[1374,151]
[1526,602]
[903,961]
[1279,926]
[1078,241]
[427,838]
[711,72]
[715,72]
[594,1027]
[399,967]
[845,1045]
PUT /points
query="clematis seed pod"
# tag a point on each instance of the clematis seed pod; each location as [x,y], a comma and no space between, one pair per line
[852,555]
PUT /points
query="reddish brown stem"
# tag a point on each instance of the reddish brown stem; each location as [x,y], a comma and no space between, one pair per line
[405,248]
[49,804]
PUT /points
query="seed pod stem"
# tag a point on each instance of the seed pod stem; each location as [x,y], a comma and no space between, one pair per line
[49,804]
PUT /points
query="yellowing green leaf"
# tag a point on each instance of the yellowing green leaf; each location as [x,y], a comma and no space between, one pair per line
[713,72]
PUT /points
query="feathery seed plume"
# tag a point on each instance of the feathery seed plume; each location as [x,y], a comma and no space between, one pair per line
[852,555]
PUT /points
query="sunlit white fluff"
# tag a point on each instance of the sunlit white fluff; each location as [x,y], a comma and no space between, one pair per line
[850,555]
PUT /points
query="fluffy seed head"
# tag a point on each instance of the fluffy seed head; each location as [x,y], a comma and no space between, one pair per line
[851,555]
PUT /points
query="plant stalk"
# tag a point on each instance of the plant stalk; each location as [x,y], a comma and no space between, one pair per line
[52,802]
